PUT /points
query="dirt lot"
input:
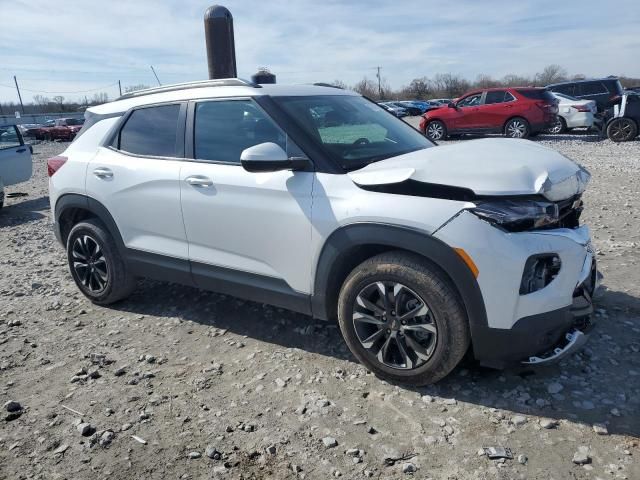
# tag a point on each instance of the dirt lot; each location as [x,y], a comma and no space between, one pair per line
[174,376]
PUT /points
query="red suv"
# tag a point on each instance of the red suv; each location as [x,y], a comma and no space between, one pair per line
[514,112]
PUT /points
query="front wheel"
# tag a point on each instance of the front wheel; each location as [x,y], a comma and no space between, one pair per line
[403,319]
[622,130]
[96,265]
[436,130]
[559,127]
[517,128]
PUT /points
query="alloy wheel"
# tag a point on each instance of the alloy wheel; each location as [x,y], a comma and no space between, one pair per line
[394,325]
[90,264]
[621,130]
[516,129]
[435,131]
[557,127]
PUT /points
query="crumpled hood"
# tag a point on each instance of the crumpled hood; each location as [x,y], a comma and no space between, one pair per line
[490,166]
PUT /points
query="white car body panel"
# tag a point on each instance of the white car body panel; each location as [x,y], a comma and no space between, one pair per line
[500,274]
[251,222]
[143,197]
[572,117]
[507,167]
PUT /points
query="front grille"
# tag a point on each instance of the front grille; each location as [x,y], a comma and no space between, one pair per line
[569,212]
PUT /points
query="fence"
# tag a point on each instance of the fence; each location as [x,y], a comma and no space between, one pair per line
[37,117]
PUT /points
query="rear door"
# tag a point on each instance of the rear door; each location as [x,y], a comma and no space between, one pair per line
[15,157]
[137,178]
[497,107]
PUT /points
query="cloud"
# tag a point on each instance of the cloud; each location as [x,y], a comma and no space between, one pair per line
[78,45]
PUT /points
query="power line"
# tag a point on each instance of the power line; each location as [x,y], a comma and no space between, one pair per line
[68,92]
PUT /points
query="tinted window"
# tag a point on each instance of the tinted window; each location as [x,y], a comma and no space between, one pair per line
[566,89]
[223,129]
[9,137]
[351,129]
[496,97]
[151,131]
[592,88]
[537,94]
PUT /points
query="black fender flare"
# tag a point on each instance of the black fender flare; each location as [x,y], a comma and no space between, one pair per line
[83,202]
[345,241]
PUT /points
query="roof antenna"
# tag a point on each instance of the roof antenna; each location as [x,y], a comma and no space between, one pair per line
[154,73]
[221,50]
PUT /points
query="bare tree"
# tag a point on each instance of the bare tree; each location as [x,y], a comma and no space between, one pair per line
[59,99]
[486,81]
[450,85]
[99,98]
[551,74]
[513,80]
[340,84]
[134,88]
[419,89]
[367,88]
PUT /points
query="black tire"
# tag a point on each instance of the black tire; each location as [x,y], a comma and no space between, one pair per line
[559,128]
[444,348]
[517,127]
[436,130]
[105,279]
[622,129]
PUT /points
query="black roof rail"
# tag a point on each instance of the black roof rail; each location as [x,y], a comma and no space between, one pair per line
[221,82]
[322,84]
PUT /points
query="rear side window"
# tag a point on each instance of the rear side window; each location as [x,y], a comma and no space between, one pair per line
[151,131]
[537,94]
[569,89]
[499,96]
[592,88]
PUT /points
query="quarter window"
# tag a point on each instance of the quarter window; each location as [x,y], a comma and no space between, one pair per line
[223,129]
[151,131]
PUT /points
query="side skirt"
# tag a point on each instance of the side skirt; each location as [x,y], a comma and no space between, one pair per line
[249,286]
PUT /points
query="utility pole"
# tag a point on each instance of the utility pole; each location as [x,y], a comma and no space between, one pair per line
[120,87]
[379,84]
[19,96]
[154,73]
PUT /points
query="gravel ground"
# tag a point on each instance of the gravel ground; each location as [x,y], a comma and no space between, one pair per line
[181,383]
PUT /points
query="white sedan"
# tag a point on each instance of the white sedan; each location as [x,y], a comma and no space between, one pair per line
[573,113]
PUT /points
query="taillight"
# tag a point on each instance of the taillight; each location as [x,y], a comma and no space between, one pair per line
[582,108]
[54,164]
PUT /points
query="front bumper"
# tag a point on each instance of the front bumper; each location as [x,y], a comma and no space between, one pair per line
[533,327]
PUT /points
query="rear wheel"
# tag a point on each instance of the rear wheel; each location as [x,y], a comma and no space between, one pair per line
[622,130]
[436,130]
[559,127]
[96,264]
[403,319]
[517,128]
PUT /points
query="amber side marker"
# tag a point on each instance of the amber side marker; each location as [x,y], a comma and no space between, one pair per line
[467,259]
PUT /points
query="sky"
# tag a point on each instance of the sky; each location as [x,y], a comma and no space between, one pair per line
[77,48]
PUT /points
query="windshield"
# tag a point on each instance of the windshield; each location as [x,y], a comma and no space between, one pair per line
[353,130]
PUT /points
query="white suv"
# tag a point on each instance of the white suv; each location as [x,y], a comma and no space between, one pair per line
[317,200]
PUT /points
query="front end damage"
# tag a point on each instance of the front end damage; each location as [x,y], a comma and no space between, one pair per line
[537,287]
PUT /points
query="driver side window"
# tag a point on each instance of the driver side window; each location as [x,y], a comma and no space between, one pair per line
[9,137]
[471,100]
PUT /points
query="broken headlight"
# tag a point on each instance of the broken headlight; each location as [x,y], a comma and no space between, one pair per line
[518,215]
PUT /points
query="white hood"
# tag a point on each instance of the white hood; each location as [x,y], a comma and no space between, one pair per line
[491,166]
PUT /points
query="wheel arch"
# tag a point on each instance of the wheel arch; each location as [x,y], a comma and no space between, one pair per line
[72,208]
[350,245]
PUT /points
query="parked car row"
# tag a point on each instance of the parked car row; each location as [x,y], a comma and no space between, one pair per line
[60,129]
[521,112]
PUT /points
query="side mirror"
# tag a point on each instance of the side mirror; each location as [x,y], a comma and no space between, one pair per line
[452,105]
[270,157]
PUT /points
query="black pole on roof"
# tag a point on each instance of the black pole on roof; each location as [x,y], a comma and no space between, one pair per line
[221,49]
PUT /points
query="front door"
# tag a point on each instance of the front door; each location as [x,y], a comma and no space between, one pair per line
[467,109]
[15,157]
[244,229]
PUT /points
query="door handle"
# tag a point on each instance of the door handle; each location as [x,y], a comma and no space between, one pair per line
[103,173]
[20,150]
[199,181]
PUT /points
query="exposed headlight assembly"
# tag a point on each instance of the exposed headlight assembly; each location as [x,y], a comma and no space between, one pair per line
[517,216]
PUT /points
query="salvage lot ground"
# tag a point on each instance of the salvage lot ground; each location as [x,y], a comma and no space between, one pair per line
[184,370]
